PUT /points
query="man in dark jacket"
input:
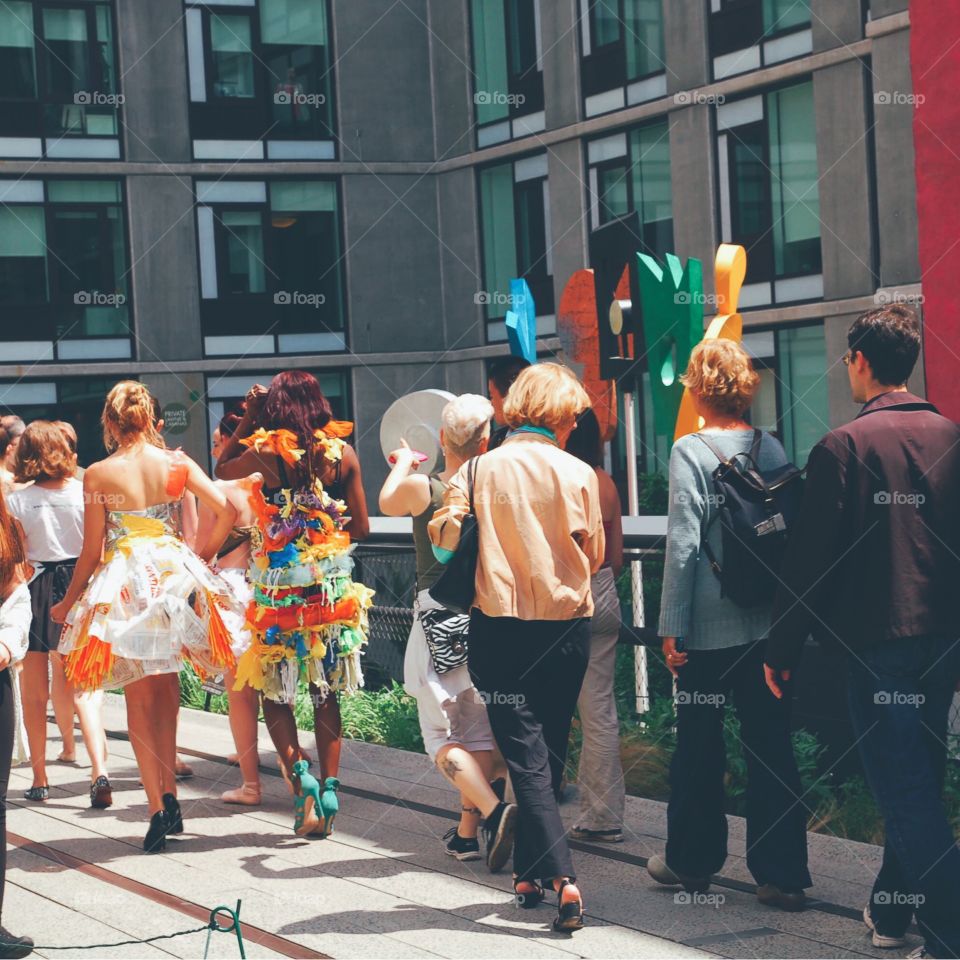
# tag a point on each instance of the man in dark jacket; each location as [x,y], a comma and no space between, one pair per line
[873,568]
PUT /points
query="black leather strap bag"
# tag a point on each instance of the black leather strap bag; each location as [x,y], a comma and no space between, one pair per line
[457,585]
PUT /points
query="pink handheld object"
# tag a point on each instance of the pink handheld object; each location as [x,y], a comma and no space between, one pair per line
[417,455]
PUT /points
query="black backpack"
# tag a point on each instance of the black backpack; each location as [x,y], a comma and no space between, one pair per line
[757,510]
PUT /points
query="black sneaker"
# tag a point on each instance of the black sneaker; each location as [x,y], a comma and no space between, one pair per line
[498,835]
[13,947]
[463,848]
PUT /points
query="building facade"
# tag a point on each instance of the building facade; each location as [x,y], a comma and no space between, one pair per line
[200,194]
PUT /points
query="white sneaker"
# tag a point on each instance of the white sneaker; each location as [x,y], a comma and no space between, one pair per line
[881,941]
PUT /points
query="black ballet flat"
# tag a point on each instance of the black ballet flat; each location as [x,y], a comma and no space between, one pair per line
[37,794]
[171,807]
[156,838]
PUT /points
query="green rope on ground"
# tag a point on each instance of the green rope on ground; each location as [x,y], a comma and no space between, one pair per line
[211,926]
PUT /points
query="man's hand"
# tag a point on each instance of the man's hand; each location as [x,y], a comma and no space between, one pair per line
[774,678]
[674,658]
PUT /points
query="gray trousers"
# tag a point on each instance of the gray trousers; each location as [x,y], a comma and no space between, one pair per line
[601,775]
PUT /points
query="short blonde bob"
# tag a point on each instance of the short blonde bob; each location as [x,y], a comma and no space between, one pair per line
[45,452]
[721,377]
[545,395]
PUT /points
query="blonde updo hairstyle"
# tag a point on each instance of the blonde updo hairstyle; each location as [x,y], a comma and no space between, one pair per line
[128,414]
[545,395]
[721,377]
[466,423]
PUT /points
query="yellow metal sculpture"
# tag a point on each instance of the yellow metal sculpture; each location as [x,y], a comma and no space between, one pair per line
[729,270]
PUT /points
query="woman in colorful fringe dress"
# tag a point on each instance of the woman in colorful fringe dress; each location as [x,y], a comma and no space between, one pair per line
[150,605]
[308,616]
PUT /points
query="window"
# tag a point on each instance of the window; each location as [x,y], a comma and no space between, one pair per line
[631,171]
[515,224]
[63,270]
[78,400]
[270,267]
[769,196]
[792,399]
[225,391]
[58,81]
[508,69]
[260,80]
[750,34]
[623,53]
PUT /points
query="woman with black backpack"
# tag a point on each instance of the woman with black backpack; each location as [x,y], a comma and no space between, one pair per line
[714,646]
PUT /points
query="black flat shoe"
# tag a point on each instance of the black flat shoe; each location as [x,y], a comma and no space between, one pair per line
[101,794]
[14,947]
[569,915]
[171,807]
[156,838]
[527,899]
[37,794]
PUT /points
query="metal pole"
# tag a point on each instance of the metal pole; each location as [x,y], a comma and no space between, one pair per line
[641,685]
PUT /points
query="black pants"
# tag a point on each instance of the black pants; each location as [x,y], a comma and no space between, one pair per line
[529,673]
[7,721]
[776,817]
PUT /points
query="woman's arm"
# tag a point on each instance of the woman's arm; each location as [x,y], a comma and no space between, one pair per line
[15,615]
[233,448]
[191,520]
[685,512]
[359,525]
[94,529]
[211,498]
[405,492]
[444,528]
[610,499]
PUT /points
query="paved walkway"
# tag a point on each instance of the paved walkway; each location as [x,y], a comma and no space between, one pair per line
[381,886]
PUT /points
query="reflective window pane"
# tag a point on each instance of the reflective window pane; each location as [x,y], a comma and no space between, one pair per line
[23,253]
[794,181]
[245,268]
[605,22]
[231,56]
[780,15]
[491,79]
[613,188]
[802,357]
[643,31]
[67,57]
[18,77]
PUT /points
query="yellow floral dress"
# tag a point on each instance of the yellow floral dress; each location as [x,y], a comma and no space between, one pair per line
[308,617]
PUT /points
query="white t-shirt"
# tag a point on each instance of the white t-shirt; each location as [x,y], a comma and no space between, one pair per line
[52,520]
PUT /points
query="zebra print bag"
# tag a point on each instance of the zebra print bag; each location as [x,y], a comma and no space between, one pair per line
[446,634]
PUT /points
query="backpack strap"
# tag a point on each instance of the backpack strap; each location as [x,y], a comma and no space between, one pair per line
[705,535]
[755,446]
[712,449]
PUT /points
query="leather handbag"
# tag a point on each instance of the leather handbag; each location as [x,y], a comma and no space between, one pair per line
[457,585]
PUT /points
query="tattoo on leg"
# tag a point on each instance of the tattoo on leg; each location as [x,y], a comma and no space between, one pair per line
[450,768]
[474,810]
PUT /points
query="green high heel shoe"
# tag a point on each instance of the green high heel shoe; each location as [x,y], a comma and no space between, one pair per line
[329,804]
[306,800]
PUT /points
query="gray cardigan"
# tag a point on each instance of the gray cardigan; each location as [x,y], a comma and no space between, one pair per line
[691,606]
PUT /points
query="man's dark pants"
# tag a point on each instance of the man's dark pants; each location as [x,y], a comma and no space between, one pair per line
[776,817]
[900,692]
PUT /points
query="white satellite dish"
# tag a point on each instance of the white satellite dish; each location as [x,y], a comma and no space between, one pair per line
[416,419]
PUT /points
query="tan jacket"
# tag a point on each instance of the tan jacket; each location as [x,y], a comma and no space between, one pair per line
[541,532]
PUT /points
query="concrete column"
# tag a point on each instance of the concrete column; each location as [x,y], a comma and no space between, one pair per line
[883,8]
[686,30]
[559,27]
[894,157]
[391,233]
[835,23]
[164,268]
[692,180]
[182,398]
[843,157]
[153,81]
[383,75]
[452,77]
[569,212]
[463,321]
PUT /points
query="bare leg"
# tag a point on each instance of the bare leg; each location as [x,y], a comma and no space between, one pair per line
[34,684]
[328,728]
[144,717]
[244,710]
[89,707]
[169,694]
[283,732]
[463,769]
[63,707]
